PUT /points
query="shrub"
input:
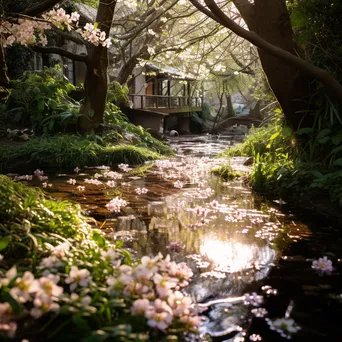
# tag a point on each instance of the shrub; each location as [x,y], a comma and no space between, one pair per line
[125,129]
[40,100]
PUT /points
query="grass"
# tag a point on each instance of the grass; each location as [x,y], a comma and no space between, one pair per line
[69,151]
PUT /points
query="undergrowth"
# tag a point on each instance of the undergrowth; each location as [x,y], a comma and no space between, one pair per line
[295,165]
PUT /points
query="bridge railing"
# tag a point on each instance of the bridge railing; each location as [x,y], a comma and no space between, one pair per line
[161,101]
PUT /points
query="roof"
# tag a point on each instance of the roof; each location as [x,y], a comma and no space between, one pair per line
[169,71]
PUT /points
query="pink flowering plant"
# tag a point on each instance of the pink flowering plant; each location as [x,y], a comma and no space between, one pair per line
[70,282]
[27,31]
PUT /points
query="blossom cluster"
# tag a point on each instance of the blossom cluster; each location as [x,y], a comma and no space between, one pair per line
[24,32]
[156,283]
[116,204]
[124,167]
[151,288]
[42,292]
[141,191]
[112,175]
[92,181]
[32,31]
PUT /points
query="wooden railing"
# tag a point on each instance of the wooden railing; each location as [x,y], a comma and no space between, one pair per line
[160,101]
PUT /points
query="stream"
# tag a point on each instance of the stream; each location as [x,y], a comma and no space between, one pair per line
[235,241]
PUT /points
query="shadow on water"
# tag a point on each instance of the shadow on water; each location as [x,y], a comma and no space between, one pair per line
[234,240]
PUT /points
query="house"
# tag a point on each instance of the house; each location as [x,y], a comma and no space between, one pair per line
[162,98]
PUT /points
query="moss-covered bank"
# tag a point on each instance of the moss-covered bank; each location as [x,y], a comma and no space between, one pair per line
[69,151]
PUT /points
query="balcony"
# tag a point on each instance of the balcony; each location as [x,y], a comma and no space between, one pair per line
[166,104]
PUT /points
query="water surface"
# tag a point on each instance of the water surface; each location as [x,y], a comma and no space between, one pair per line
[234,240]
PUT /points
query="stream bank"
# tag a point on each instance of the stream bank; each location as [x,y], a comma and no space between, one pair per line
[235,241]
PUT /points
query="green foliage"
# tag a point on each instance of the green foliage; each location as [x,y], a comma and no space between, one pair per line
[302,164]
[69,151]
[317,25]
[202,118]
[40,99]
[121,128]
[27,215]
[263,140]
[117,94]
[18,59]
[225,172]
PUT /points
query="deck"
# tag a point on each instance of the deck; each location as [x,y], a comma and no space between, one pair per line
[166,104]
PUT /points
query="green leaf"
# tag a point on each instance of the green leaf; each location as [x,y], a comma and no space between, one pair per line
[81,323]
[273,136]
[4,242]
[16,307]
[338,162]
[287,132]
[101,241]
[51,124]
[335,150]
[305,130]
[323,133]
[323,140]
[91,113]
[336,139]
[40,105]
[317,174]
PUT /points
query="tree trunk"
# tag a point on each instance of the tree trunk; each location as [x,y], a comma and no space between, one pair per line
[95,91]
[271,21]
[4,80]
[96,78]
[230,109]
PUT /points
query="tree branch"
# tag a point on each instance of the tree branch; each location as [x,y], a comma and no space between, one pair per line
[319,74]
[68,36]
[61,52]
[40,8]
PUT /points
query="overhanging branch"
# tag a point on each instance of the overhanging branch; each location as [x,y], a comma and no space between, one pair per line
[321,75]
[61,52]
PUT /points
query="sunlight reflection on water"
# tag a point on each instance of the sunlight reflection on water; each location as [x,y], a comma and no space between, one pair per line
[236,256]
